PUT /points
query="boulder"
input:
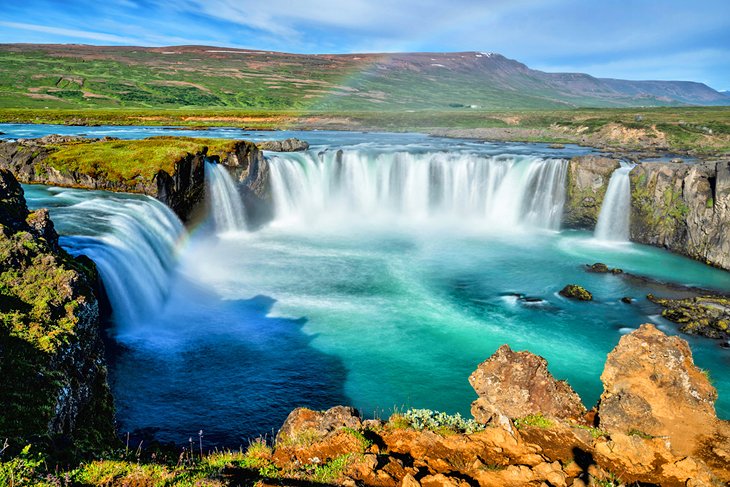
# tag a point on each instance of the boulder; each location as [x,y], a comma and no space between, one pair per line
[317,424]
[651,388]
[286,145]
[574,291]
[517,384]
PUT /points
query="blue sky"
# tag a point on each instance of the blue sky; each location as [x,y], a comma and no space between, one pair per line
[631,39]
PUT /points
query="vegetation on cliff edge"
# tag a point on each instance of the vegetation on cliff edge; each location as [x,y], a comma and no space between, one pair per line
[128,160]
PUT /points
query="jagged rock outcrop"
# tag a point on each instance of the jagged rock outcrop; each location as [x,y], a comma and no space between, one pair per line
[684,208]
[652,386]
[52,365]
[517,384]
[287,145]
[586,186]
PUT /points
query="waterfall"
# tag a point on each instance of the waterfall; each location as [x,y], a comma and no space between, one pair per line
[500,191]
[613,220]
[225,201]
[133,249]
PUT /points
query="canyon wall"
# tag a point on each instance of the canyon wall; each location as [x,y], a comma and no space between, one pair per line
[684,208]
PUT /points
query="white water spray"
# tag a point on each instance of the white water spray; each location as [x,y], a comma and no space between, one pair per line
[225,201]
[614,218]
[501,191]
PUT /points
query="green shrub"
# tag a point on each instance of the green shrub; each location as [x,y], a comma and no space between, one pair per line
[421,419]
[534,420]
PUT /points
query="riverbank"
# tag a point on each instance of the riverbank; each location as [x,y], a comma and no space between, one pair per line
[688,131]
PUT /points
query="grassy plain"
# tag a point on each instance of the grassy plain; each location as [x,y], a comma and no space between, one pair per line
[697,130]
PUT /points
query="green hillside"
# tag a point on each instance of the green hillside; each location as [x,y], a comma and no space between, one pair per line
[75,76]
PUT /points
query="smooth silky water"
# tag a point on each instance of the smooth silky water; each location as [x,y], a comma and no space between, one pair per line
[388,275]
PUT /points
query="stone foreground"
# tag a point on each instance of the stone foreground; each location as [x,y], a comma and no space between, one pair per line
[655,423]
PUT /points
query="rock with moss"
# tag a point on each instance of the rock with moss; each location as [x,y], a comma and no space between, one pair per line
[586,186]
[170,169]
[699,315]
[574,291]
[52,365]
[684,208]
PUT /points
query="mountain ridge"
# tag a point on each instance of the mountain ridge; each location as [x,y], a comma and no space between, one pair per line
[79,75]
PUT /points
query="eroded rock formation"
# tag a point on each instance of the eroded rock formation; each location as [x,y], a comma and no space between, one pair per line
[517,384]
[652,386]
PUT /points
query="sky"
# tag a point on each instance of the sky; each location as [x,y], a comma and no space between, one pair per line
[628,39]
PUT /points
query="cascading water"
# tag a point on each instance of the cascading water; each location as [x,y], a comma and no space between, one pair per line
[503,191]
[614,218]
[226,205]
[133,248]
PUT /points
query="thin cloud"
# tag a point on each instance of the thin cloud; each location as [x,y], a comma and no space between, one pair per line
[79,34]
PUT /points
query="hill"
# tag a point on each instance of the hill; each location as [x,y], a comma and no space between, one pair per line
[81,76]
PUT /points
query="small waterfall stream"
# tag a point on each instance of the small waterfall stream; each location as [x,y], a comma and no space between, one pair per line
[226,205]
[500,191]
[614,218]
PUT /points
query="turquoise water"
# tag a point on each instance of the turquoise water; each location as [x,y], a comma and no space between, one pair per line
[412,313]
[370,302]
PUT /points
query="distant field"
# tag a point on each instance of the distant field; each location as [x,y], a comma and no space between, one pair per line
[703,130]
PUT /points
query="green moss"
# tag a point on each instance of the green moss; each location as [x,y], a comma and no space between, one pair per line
[534,421]
[128,161]
[640,434]
[574,291]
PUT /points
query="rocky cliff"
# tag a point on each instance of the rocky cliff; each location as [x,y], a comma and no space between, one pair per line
[586,186]
[52,365]
[684,208]
[170,169]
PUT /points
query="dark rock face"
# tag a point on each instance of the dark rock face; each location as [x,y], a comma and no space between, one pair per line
[516,384]
[574,291]
[587,183]
[183,190]
[652,386]
[286,145]
[250,168]
[52,366]
[683,208]
[601,268]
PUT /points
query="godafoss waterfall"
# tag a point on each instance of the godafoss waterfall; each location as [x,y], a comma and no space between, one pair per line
[394,264]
